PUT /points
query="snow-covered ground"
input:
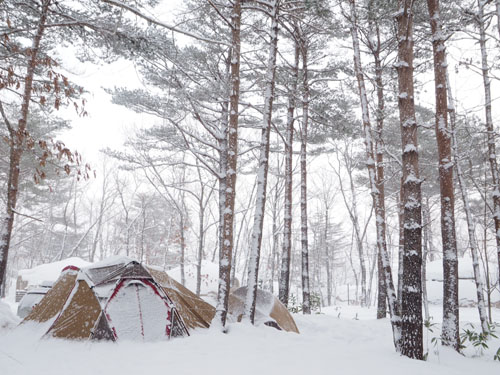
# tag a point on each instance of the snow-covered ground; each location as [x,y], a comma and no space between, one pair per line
[343,339]
[333,342]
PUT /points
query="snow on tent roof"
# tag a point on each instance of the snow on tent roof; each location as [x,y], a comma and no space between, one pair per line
[269,310]
[54,300]
[50,271]
[195,311]
[98,302]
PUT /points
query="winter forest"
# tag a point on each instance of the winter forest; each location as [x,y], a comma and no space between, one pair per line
[331,159]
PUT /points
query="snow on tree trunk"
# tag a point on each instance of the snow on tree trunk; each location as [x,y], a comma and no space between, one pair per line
[284,280]
[231,155]
[490,130]
[183,247]
[256,240]
[450,332]
[478,279]
[426,220]
[380,212]
[17,138]
[411,312]
[374,181]
[306,293]
[201,240]
[401,243]
[274,250]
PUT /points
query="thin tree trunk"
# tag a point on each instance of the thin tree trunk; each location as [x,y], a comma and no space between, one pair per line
[425,245]
[274,250]
[306,293]
[468,214]
[380,215]
[256,240]
[182,229]
[376,183]
[327,260]
[411,314]
[401,245]
[17,139]
[230,186]
[284,281]
[492,156]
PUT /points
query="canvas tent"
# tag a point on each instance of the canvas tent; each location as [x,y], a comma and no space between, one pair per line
[269,310]
[119,299]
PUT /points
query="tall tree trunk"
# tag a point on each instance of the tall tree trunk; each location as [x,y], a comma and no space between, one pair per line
[425,246]
[17,139]
[492,155]
[380,185]
[474,248]
[327,260]
[256,240]
[284,281]
[230,176]
[182,224]
[401,244]
[201,244]
[376,187]
[411,314]
[306,293]
[274,250]
[450,332]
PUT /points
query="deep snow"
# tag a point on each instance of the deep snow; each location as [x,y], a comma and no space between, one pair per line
[343,339]
[328,343]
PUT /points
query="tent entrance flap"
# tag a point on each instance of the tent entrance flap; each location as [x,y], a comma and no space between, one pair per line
[137,311]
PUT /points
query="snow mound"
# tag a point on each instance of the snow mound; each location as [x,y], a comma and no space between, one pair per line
[7,318]
[50,271]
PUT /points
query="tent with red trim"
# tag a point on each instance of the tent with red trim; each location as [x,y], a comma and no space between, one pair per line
[119,299]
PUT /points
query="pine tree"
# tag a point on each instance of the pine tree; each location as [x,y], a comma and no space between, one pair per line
[411,307]
[450,334]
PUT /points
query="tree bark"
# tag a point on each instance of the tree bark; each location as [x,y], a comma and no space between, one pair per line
[490,130]
[230,176]
[17,139]
[450,332]
[256,240]
[380,185]
[473,246]
[411,314]
[376,184]
[306,293]
[284,281]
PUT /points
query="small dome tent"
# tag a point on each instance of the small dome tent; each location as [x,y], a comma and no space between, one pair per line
[269,310]
[119,299]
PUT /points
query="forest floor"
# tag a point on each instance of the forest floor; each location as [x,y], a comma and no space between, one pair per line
[343,340]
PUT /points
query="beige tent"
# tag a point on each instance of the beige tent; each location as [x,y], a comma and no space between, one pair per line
[269,310]
[196,312]
[120,299]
